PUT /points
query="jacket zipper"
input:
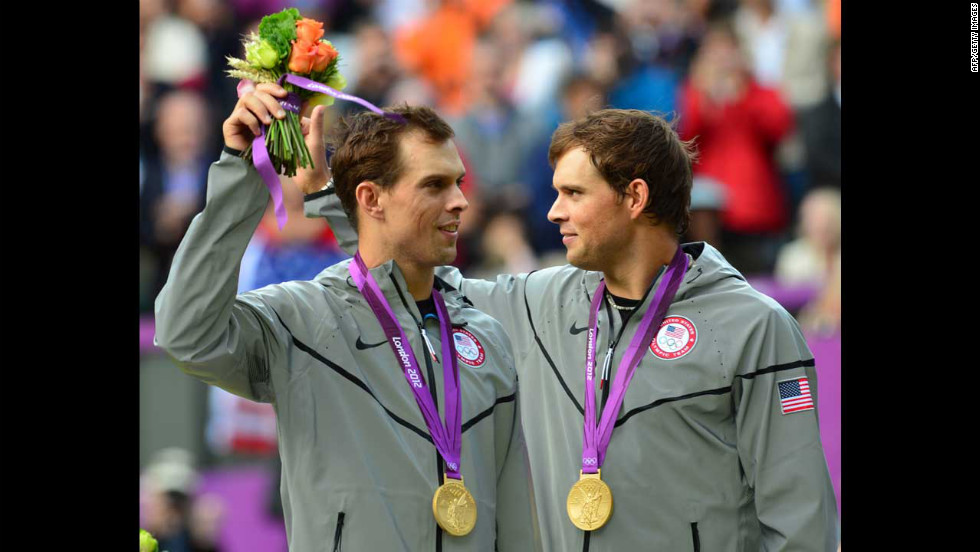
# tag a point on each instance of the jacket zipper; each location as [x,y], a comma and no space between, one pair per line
[432,390]
[338,533]
[695,536]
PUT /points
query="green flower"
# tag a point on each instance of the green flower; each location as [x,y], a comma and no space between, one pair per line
[337,81]
[261,53]
[147,542]
[280,30]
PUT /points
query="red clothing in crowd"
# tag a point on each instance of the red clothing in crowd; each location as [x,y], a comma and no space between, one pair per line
[736,142]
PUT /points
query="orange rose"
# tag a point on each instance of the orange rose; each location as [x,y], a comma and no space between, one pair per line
[303,56]
[308,30]
[324,55]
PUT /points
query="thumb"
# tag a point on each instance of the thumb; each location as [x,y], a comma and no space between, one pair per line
[314,138]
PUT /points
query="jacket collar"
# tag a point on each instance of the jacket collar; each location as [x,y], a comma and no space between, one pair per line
[392,282]
[705,259]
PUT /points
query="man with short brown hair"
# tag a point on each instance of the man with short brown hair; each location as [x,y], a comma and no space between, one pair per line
[378,371]
[668,405]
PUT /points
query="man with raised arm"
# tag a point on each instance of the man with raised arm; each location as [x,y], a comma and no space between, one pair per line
[667,404]
[399,425]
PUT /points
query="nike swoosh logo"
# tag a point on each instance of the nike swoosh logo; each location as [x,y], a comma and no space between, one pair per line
[575,331]
[362,346]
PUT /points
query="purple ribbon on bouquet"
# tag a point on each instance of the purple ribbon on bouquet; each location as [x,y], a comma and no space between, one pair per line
[260,154]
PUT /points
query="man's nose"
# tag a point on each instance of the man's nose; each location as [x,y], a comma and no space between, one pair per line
[557,212]
[458,201]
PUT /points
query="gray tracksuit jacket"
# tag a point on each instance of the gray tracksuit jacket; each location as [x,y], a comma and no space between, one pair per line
[359,468]
[703,456]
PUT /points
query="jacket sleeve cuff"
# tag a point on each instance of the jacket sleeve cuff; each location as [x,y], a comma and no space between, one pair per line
[316,195]
[232,151]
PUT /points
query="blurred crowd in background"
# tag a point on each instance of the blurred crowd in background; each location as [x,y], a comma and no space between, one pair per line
[757,83]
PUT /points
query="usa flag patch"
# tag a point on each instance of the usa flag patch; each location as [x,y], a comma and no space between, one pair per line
[794,395]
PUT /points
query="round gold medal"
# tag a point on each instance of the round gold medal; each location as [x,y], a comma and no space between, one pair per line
[454,507]
[589,502]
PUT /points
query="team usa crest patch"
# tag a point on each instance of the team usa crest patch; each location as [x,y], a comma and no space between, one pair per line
[468,348]
[794,395]
[676,337]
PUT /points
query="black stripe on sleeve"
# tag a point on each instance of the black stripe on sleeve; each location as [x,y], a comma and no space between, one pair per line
[779,368]
[718,391]
[318,194]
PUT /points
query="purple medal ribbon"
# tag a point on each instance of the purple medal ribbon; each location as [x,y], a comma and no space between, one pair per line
[596,439]
[447,438]
[260,155]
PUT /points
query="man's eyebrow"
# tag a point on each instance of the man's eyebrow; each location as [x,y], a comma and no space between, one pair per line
[439,176]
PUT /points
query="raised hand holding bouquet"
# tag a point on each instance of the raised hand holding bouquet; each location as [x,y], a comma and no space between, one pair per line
[289,50]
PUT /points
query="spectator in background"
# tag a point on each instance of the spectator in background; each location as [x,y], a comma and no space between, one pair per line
[220,30]
[535,60]
[821,129]
[171,511]
[173,55]
[738,123]
[814,259]
[580,20]
[662,39]
[784,42]
[822,316]
[439,46]
[374,71]
[707,202]
[785,49]
[504,247]
[580,95]
[494,137]
[606,58]
[175,52]
[810,258]
[299,251]
[173,188]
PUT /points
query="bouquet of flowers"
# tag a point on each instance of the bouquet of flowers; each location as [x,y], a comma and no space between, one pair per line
[289,46]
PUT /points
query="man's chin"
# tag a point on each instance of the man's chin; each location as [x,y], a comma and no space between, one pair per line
[447,256]
[578,260]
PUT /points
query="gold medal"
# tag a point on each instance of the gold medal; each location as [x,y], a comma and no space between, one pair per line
[454,507]
[590,502]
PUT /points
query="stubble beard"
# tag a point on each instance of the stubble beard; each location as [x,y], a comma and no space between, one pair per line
[444,254]
[580,257]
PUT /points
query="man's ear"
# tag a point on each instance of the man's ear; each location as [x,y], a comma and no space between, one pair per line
[637,195]
[369,200]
